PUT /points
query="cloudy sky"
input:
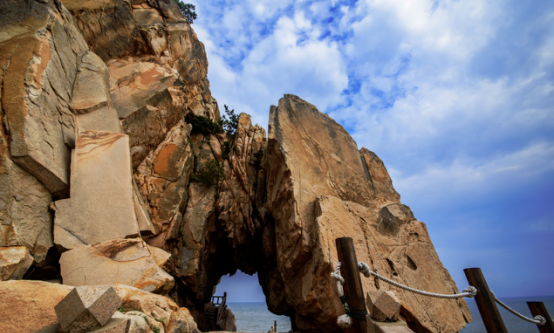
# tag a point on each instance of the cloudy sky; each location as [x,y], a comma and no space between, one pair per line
[455,96]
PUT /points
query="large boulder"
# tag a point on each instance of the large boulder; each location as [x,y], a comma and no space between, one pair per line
[91,100]
[101,206]
[320,187]
[87,308]
[119,261]
[28,306]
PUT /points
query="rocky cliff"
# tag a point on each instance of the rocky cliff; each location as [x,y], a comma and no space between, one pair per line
[113,170]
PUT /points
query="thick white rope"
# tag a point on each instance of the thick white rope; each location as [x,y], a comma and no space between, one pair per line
[340,280]
[344,321]
[539,320]
[469,292]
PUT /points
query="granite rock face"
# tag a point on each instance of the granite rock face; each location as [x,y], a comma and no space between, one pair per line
[119,261]
[164,175]
[101,191]
[157,66]
[24,215]
[320,187]
[39,55]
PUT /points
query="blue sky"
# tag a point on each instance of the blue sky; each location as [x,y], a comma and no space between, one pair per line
[456,97]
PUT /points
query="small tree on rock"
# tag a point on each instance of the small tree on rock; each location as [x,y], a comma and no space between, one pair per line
[230,124]
[188,10]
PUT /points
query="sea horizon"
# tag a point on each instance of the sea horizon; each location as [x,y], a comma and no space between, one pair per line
[255,317]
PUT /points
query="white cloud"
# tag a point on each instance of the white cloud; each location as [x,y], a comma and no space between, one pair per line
[468,180]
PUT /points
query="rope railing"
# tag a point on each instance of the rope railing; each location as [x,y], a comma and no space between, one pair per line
[469,292]
[345,321]
[538,320]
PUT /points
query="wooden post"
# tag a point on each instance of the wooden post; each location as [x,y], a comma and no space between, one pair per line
[485,301]
[538,309]
[275,327]
[353,291]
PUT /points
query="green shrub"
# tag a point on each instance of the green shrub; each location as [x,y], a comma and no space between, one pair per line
[204,126]
[212,173]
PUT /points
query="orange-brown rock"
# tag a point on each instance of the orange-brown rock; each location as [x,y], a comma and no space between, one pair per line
[321,188]
[28,306]
[157,66]
[162,179]
[119,261]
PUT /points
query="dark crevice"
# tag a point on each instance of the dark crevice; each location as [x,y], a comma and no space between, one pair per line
[410,263]
[393,270]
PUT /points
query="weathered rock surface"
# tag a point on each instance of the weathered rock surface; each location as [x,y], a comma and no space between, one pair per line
[115,325]
[163,179]
[157,66]
[91,100]
[383,305]
[14,262]
[24,216]
[161,309]
[28,306]
[394,327]
[229,322]
[87,308]
[318,190]
[101,205]
[39,54]
[237,195]
[119,261]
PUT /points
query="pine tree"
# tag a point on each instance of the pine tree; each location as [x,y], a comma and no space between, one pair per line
[188,10]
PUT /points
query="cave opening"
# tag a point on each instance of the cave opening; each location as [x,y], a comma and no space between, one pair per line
[246,300]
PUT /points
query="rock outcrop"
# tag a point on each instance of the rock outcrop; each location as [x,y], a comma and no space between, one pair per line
[320,187]
[112,151]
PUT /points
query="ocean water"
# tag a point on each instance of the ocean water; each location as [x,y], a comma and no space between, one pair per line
[255,317]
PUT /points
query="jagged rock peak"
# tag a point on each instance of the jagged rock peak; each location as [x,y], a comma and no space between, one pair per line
[319,188]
